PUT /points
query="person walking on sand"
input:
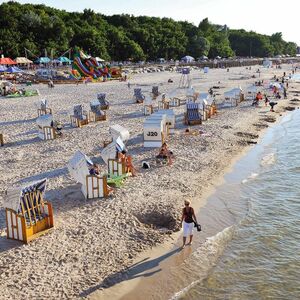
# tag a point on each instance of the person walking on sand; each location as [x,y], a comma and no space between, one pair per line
[187,222]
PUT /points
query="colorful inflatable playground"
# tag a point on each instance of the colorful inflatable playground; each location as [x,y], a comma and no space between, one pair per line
[85,66]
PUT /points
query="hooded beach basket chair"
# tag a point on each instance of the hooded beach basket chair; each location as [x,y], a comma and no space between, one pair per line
[192,115]
[96,114]
[103,102]
[92,186]
[79,117]
[28,215]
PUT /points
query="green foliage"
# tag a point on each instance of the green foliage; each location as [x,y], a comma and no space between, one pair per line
[122,37]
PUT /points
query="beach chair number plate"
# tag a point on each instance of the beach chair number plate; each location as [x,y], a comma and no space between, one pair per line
[152,133]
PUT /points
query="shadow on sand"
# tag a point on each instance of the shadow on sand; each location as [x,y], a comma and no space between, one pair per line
[139,269]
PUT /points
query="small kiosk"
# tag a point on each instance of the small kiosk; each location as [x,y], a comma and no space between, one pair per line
[155,131]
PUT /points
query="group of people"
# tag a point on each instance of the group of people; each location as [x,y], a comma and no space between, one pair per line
[260,97]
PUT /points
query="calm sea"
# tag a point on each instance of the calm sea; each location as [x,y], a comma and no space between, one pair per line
[257,254]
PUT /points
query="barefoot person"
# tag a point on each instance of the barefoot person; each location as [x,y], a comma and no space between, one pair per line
[187,220]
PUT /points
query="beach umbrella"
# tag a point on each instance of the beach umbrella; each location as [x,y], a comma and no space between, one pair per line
[7,61]
[23,60]
[3,68]
[43,60]
[64,59]
[14,70]
[188,58]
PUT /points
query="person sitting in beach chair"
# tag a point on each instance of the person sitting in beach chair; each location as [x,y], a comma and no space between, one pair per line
[138,95]
[165,154]
[122,157]
[84,171]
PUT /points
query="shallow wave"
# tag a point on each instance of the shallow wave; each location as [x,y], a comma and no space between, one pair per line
[269,159]
[252,176]
[207,255]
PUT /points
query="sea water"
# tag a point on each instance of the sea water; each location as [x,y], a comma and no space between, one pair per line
[257,256]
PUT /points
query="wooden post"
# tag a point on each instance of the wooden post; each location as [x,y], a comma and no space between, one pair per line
[1,140]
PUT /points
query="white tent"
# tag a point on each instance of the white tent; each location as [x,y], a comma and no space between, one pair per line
[187,59]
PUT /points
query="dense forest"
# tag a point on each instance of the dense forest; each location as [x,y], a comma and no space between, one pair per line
[123,37]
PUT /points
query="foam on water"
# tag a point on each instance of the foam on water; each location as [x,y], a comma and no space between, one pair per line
[252,176]
[258,256]
[208,254]
[269,159]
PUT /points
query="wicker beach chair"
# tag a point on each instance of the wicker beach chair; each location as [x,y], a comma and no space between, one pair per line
[192,115]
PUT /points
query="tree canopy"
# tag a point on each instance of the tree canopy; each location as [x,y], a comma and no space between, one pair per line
[122,37]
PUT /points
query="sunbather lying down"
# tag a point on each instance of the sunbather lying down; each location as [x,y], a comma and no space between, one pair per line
[165,154]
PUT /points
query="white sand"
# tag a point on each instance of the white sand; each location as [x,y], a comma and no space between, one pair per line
[95,239]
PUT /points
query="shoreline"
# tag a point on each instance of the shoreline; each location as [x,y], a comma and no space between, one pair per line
[95,242]
[138,288]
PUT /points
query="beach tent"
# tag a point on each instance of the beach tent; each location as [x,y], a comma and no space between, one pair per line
[7,61]
[64,59]
[43,60]
[3,68]
[203,57]
[23,61]
[14,70]
[187,59]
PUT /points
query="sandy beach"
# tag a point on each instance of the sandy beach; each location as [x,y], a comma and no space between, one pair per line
[94,241]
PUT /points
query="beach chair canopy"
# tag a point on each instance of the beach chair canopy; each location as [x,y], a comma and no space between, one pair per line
[43,104]
[96,107]
[7,61]
[78,166]
[110,151]
[119,131]
[233,93]
[15,196]
[44,120]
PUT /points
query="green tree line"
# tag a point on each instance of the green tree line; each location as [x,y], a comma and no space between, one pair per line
[123,37]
